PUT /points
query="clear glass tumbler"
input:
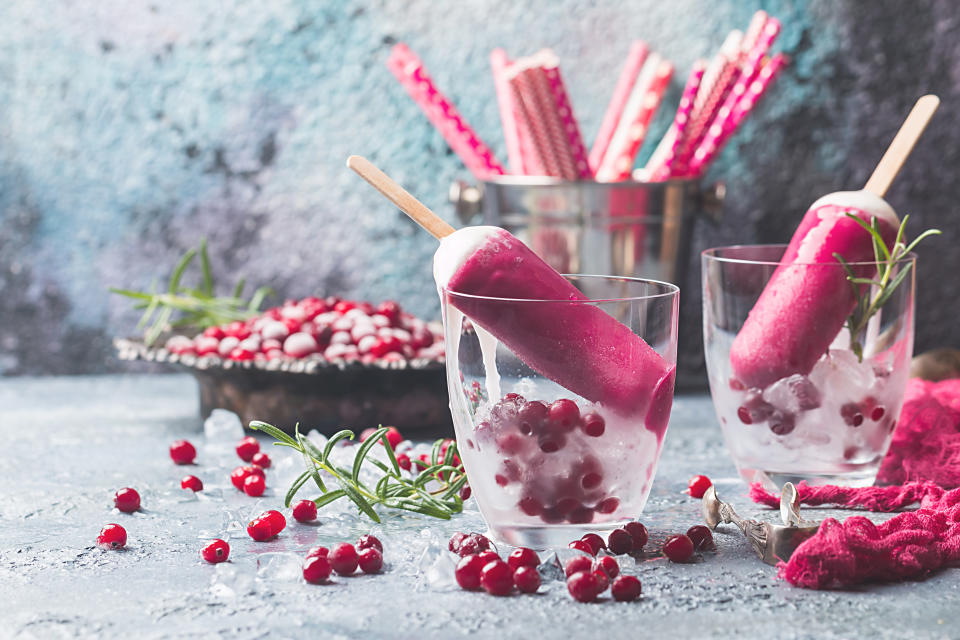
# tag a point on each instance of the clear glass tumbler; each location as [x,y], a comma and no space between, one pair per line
[545,464]
[832,423]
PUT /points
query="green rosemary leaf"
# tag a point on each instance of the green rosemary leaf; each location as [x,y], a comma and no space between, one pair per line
[292,491]
[329,497]
[306,450]
[258,296]
[890,288]
[925,234]
[257,425]
[163,319]
[139,295]
[205,269]
[390,453]
[358,499]
[238,290]
[334,439]
[363,451]
[382,486]
[179,269]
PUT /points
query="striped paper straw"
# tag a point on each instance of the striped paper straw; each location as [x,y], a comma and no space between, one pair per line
[621,93]
[550,115]
[637,114]
[742,109]
[441,112]
[681,121]
[757,22]
[728,50]
[571,130]
[508,110]
[543,158]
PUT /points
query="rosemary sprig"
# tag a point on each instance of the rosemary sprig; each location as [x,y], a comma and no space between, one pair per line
[886,280]
[198,307]
[391,490]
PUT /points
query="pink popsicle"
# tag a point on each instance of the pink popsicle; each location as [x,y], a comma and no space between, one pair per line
[577,345]
[808,298]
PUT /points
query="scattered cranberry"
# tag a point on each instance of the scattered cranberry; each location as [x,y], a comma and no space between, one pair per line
[582,545]
[275,519]
[577,564]
[626,588]
[678,548]
[343,558]
[595,541]
[318,551]
[609,565]
[467,572]
[755,409]
[239,475]
[127,500]
[603,580]
[496,578]
[583,586]
[370,560]
[261,459]
[305,511]
[639,534]
[455,541]
[112,536]
[702,537]
[247,447]
[254,485]
[191,482]
[619,542]
[564,414]
[608,505]
[403,461]
[698,486]
[182,452]
[216,551]
[316,570]
[465,492]
[593,425]
[527,579]
[523,557]
[851,414]
[474,543]
[259,529]
[488,556]
[369,542]
[394,437]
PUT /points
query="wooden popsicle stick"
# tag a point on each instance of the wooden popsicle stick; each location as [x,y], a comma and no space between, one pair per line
[910,131]
[399,196]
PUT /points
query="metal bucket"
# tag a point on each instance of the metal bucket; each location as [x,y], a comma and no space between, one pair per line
[637,229]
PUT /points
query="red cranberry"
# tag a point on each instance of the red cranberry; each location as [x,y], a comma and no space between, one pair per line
[259,529]
[698,486]
[467,572]
[581,545]
[204,345]
[191,482]
[127,500]
[456,540]
[182,452]
[580,515]
[261,459]
[237,330]
[783,423]
[593,424]
[531,417]
[608,565]
[254,485]
[591,481]
[626,588]
[736,385]
[564,414]
[112,536]
[316,569]
[620,541]
[608,505]
[465,492]
[496,578]
[369,542]
[678,548]
[305,511]
[603,580]
[247,447]
[577,564]
[639,534]
[744,414]
[488,556]
[583,586]
[755,408]
[318,551]
[851,414]
[216,551]
[370,560]
[596,542]
[527,579]
[240,354]
[403,461]
[523,557]
[390,310]
[275,519]
[300,344]
[343,558]
[530,506]
[240,474]
[213,332]
[701,536]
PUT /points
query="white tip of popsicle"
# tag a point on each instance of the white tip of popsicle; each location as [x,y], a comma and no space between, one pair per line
[861,200]
[456,248]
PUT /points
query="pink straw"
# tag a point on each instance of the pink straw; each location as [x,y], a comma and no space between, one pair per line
[508,110]
[543,157]
[441,112]
[681,121]
[628,77]
[571,129]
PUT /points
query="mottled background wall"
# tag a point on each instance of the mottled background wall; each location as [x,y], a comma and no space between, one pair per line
[129,129]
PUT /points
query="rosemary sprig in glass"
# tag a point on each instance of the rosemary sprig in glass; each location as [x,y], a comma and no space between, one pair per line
[434,491]
[886,280]
[198,307]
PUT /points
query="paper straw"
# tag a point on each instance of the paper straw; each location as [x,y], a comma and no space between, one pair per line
[681,120]
[571,130]
[729,50]
[549,114]
[543,159]
[621,93]
[743,108]
[441,112]
[508,111]
[644,99]
[750,37]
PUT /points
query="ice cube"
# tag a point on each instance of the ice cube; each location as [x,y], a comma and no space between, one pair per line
[841,376]
[551,569]
[229,581]
[793,394]
[223,428]
[437,570]
[279,567]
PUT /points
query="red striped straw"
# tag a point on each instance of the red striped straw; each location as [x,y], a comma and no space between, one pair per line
[441,112]
[621,93]
[681,121]
[543,158]
[561,102]
[646,96]
[728,50]
[499,63]
[742,109]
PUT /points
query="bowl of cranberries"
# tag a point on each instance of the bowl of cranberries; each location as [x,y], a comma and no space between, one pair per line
[322,362]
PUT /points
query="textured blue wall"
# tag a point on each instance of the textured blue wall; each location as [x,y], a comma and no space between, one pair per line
[130,129]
